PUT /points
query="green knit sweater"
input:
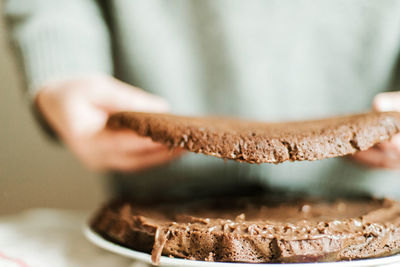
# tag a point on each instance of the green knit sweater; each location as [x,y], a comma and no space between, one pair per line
[258,59]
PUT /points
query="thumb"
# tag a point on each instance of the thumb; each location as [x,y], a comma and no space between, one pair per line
[389,101]
[123,97]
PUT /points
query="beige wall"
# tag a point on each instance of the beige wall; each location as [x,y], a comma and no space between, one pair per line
[33,171]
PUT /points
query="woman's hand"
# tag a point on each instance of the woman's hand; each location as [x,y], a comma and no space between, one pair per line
[78,110]
[385,154]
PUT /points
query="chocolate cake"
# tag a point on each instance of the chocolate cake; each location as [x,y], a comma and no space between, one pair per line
[255,229]
[272,228]
[258,142]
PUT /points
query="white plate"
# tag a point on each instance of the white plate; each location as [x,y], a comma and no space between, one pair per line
[96,239]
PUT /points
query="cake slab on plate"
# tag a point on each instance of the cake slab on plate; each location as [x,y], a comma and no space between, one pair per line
[96,239]
[272,228]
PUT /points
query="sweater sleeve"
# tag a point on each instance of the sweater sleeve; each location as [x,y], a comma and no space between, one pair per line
[58,39]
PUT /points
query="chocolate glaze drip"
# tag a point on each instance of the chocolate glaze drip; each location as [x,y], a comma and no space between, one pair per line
[160,238]
[256,230]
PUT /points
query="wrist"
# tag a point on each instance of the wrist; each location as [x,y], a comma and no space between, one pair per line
[42,121]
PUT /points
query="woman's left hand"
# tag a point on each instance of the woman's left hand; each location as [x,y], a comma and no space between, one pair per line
[386,154]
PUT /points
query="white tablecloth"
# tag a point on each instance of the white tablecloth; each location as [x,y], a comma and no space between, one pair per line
[52,238]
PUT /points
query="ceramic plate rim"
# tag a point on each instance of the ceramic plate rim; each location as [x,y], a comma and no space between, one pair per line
[99,241]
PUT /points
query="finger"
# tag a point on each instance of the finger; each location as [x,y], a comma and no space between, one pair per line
[125,141]
[373,157]
[98,156]
[395,141]
[141,161]
[389,101]
[390,148]
[173,152]
[123,97]
[378,158]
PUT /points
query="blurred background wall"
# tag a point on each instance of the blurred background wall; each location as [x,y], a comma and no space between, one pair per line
[35,172]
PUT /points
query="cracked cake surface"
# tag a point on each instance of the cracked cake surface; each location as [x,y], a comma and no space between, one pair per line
[255,229]
[259,142]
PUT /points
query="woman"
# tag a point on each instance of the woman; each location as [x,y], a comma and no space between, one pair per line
[266,60]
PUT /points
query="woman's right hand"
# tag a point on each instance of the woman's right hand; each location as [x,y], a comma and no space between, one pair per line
[78,110]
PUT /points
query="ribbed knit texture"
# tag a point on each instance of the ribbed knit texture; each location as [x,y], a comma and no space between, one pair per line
[59,39]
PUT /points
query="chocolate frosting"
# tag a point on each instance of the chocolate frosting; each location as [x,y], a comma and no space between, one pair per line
[260,230]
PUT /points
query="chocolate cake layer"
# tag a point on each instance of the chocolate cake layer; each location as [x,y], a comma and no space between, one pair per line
[258,142]
[255,230]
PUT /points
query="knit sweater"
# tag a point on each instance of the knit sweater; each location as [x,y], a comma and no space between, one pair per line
[258,59]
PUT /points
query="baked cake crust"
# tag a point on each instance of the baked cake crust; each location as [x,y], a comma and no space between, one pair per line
[259,142]
[255,230]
